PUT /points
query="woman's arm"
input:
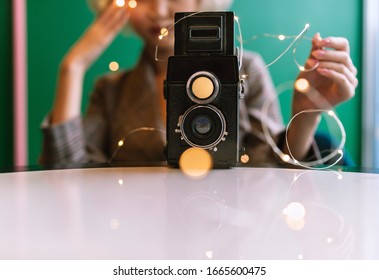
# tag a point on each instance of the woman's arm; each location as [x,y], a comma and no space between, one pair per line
[333,82]
[90,46]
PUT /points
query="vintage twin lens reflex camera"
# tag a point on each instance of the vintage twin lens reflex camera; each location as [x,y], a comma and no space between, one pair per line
[203,88]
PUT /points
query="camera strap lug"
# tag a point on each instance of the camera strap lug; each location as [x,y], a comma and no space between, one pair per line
[241,89]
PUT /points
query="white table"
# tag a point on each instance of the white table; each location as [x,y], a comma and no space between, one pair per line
[159,213]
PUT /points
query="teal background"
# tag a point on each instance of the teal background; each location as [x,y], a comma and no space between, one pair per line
[54,26]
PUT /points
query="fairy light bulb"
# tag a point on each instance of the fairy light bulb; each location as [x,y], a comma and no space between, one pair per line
[286,158]
[120,143]
[164,32]
[114,66]
[132,4]
[120,3]
[281,37]
[302,85]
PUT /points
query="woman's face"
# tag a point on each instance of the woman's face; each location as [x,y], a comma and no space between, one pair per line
[150,16]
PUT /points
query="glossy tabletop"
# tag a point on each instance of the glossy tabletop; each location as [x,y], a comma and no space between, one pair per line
[159,213]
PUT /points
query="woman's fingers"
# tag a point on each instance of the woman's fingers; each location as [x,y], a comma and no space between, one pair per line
[336,56]
[338,43]
[113,16]
[340,68]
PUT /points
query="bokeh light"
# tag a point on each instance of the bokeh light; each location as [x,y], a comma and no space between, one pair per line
[295,225]
[114,66]
[120,3]
[195,162]
[302,85]
[132,4]
[295,211]
[295,216]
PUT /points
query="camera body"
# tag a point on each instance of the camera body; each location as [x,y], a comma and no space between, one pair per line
[203,88]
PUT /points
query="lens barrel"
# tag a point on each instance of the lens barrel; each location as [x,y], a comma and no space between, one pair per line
[203,126]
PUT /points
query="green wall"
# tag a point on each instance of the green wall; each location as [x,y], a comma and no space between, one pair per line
[6,132]
[54,26]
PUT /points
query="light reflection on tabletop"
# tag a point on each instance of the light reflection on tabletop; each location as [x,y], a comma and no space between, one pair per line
[159,213]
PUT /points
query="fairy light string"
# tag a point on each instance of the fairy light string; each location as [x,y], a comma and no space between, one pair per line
[302,86]
[334,156]
[295,211]
[165,32]
[123,142]
[297,39]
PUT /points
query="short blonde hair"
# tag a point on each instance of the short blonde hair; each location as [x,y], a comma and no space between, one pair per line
[215,5]
[205,5]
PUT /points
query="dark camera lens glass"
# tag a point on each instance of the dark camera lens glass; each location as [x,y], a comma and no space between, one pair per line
[202,124]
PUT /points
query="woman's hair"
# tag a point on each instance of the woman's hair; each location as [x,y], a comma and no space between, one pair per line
[205,5]
[215,5]
[97,5]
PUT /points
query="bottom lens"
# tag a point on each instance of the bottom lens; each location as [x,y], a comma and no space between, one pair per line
[203,126]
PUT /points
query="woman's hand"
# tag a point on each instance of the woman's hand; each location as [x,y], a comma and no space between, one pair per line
[90,46]
[331,83]
[97,37]
[334,80]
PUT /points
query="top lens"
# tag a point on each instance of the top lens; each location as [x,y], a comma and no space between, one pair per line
[203,87]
